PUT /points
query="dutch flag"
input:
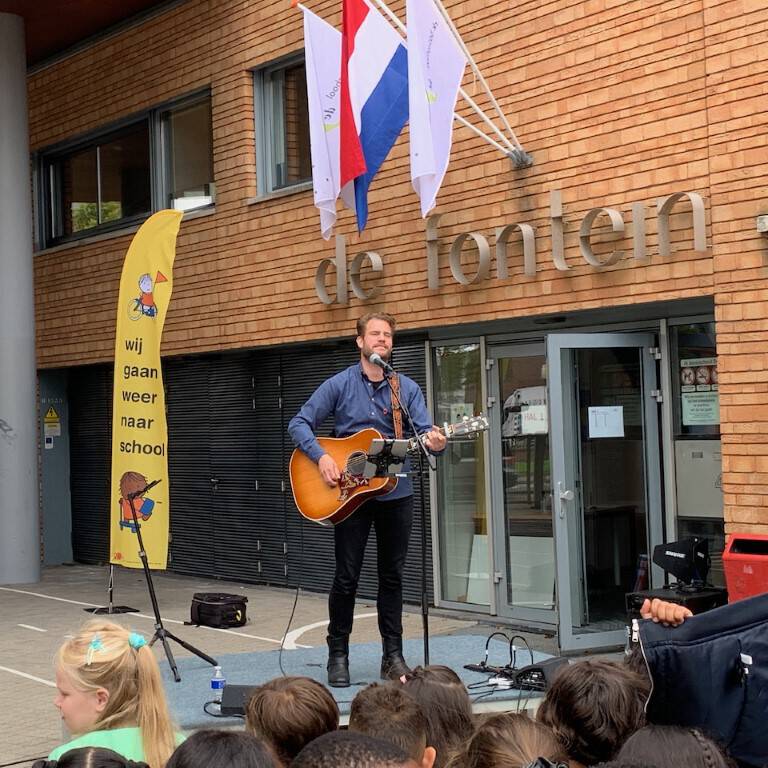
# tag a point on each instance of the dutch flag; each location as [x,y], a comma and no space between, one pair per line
[374,98]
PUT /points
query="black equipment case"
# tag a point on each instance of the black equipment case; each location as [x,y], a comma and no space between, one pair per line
[218,609]
[698,599]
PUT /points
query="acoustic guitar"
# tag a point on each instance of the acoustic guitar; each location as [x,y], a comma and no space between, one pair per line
[321,503]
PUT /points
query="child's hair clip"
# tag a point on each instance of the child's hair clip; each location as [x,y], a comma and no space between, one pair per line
[136,641]
[95,645]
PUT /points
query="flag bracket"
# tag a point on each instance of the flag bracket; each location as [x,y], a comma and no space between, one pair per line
[520,159]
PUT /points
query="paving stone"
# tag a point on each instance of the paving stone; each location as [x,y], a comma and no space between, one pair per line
[30,724]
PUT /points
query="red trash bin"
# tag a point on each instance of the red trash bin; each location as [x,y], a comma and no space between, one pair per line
[745,562]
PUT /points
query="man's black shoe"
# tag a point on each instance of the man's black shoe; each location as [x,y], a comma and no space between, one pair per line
[338,671]
[393,667]
[338,662]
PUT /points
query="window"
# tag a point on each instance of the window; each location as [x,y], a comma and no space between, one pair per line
[282,126]
[109,180]
[698,456]
[461,478]
[106,182]
[694,379]
[188,144]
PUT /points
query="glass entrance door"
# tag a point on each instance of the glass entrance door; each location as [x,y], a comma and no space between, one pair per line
[523,543]
[606,479]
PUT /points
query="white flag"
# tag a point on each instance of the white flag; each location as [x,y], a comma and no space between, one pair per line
[322,46]
[435,69]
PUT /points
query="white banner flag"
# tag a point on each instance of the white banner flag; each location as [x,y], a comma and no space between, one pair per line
[322,45]
[435,69]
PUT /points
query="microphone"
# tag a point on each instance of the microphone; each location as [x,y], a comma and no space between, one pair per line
[143,490]
[377,359]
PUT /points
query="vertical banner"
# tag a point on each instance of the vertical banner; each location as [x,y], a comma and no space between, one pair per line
[139,433]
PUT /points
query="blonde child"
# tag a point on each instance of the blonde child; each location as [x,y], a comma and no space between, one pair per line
[110,694]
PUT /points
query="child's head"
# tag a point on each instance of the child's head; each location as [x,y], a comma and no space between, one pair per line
[220,749]
[509,741]
[388,712]
[667,746]
[89,757]
[108,678]
[348,749]
[131,482]
[593,706]
[289,712]
[446,705]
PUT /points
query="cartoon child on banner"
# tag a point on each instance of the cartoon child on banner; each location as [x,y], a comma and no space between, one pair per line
[131,482]
[144,305]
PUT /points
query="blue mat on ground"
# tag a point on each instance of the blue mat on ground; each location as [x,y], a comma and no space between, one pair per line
[186,698]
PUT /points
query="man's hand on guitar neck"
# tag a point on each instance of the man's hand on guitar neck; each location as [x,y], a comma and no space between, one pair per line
[329,470]
[435,440]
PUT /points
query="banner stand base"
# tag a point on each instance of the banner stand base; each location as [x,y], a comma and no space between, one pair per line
[109,607]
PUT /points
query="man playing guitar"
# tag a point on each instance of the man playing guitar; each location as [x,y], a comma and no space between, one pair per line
[361,397]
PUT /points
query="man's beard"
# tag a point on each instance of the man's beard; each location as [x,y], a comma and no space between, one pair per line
[368,351]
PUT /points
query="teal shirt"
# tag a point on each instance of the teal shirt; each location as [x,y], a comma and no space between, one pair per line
[124,741]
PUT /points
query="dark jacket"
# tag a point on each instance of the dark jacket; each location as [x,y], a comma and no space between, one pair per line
[712,673]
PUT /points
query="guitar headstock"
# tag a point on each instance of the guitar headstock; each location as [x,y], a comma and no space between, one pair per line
[467,427]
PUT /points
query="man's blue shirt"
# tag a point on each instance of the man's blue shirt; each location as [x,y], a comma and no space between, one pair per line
[358,403]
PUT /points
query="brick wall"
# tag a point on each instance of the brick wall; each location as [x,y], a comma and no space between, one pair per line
[737,89]
[619,102]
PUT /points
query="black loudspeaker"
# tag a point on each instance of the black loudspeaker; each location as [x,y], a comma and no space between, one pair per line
[687,560]
[234,698]
[539,677]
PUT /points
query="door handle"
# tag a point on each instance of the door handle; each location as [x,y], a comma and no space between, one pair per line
[564,495]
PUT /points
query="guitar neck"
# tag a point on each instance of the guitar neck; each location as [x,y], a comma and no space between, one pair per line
[467,427]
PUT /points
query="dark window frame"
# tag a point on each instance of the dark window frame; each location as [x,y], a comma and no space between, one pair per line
[165,179]
[48,196]
[51,188]
[681,431]
[264,84]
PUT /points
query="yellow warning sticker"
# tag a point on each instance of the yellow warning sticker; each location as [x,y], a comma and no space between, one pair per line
[51,417]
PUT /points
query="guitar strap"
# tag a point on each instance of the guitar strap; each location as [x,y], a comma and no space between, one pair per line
[397,414]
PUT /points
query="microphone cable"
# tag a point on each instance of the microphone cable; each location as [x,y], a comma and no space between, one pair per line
[483,666]
[295,597]
[513,651]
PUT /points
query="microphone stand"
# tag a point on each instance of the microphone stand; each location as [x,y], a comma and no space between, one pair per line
[161,633]
[423,453]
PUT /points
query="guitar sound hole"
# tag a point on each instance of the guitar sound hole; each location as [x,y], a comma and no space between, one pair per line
[356,463]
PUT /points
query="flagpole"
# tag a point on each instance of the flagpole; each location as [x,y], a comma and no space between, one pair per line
[512,147]
[463,121]
[477,71]
[487,120]
[519,156]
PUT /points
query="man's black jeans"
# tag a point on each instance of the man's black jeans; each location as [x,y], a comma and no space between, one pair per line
[392,521]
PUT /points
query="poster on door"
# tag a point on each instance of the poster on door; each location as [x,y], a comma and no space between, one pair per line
[699,399]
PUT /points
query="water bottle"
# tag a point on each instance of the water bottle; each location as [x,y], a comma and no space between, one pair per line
[218,681]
